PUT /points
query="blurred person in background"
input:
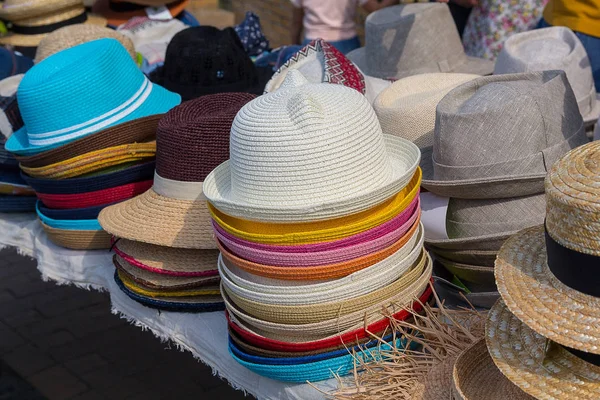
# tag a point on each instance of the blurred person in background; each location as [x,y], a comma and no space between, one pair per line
[331,20]
[583,18]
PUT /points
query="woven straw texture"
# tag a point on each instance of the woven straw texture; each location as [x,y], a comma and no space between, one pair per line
[320,272]
[137,131]
[368,242]
[160,281]
[158,293]
[468,273]
[407,108]
[484,258]
[539,367]
[319,231]
[309,152]
[167,260]
[476,377]
[73,35]
[362,282]
[78,240]
[13,10]
[192,139]
[94,161]
[497,136]
[306,314]
[414,39]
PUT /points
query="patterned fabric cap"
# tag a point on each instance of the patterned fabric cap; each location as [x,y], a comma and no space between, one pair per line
[251,35]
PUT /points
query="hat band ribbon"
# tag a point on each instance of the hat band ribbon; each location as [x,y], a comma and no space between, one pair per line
[95,124]
[37,30]
[587,357]
[189,191]
[538,163]
[577,270]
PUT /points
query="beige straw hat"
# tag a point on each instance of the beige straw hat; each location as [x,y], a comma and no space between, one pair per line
[548,277]
[407,108]
[73,35]
[78,239]
[543,369]
[475,377]
[32,20]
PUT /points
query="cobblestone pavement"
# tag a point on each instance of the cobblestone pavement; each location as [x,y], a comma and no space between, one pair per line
[65,342]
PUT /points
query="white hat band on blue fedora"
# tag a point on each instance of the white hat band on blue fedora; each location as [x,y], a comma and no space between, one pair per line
[83,91]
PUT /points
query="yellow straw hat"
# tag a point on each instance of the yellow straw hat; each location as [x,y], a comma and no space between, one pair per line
[94,161]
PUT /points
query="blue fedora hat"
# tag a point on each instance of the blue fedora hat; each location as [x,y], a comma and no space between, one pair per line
[83,91]
[136,173]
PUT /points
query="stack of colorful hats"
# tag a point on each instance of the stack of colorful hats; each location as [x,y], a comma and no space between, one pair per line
[494,140]
[15,195]
[542,335]
[86,143]
[166,256]
[317,219]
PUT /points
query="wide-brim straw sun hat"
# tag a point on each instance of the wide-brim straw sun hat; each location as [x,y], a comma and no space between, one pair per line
[319,231]
[78,105]
[482,223]
[76,239]
[309,152]
[480,149]
[407,108]
[339,338]
[304,255]
[178,304]
[168,260]
[556,47]
[319,312]
[117,13]
[539,367]
[69,36]
[95,161]
[546,274]
[191,140]
[142,130]
[373,315]
[139,289]
[319,62]
[413,39]
[325,271]
[155,280]
[31,21]
[474,376]
[358,283]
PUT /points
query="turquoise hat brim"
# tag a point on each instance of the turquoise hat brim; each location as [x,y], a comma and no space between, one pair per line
[159,101]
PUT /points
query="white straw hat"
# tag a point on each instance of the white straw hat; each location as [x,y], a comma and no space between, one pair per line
[556,47]
[407,108]
[309,152]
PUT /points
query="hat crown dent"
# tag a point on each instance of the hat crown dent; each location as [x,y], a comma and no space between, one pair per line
[306,142]
[573,200]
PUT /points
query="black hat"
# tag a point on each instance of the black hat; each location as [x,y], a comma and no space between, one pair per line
[205,60]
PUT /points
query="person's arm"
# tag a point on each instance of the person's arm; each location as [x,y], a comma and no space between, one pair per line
[374,5]
[296,31]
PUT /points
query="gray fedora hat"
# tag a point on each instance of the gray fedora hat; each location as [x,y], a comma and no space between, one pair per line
[484,224]
[454,296]
[556,47]
[472,274]
[483,258]
[497,136]
[414,39]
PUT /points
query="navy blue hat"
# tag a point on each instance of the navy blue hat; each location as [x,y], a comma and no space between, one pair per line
[9,204]
[12,63]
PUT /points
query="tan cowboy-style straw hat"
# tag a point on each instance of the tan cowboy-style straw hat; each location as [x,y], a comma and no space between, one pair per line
[497,136]
[547,275]
[73,35]
[407,108]
[536,365]
[474,376]
[31,20]
[413,39]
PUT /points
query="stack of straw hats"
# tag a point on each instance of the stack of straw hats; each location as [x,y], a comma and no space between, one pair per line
[484,176]
[15,195]
[317,218]
[86,143]
[166,256]
[31,20]
[542,335]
